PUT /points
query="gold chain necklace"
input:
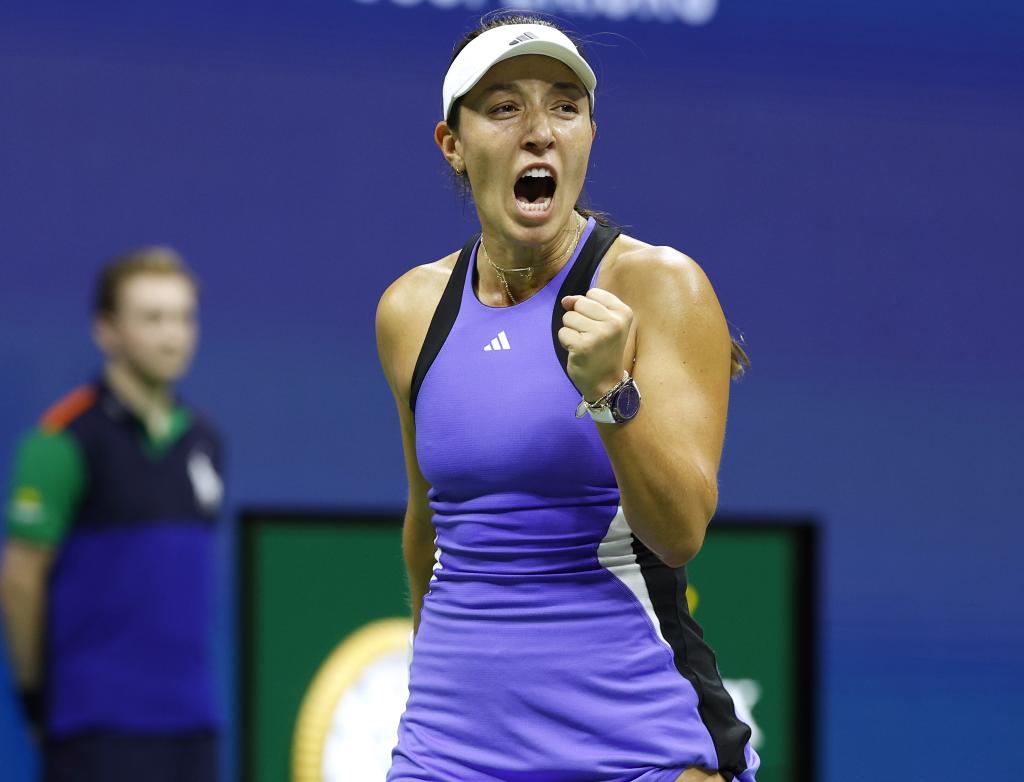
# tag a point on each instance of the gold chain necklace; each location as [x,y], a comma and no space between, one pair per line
[528,270]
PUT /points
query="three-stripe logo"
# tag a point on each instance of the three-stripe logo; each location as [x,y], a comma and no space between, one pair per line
[522,38]
[500,342]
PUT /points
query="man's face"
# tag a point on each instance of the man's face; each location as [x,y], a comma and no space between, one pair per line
[153,331]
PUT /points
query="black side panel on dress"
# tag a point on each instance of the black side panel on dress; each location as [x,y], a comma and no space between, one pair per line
[577,282]
[444,318]
[694,660]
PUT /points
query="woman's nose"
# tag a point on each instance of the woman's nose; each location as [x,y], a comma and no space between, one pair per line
[538,131]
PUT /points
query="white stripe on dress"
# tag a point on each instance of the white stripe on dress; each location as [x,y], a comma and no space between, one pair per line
[615,553]
[437,561]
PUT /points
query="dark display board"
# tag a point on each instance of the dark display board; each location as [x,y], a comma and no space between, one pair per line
[310,580]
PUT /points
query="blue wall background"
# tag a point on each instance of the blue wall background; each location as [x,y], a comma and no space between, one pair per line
[849,174]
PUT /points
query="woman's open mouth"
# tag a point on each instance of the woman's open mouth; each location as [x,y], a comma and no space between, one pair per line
[534,190]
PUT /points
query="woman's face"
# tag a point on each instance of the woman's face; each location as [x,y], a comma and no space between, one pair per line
[524,138]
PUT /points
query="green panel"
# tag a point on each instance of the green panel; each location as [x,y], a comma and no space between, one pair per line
[315,582]
[747,606]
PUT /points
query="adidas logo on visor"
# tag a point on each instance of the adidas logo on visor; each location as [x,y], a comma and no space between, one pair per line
[522,38]
[500,342]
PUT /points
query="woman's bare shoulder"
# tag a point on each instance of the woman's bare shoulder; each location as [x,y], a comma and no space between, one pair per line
[416,292]
[403,317]
[641,271]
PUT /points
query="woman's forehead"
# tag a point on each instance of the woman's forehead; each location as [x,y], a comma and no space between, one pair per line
[528,67]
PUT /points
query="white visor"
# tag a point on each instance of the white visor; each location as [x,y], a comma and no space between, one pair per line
[511,40]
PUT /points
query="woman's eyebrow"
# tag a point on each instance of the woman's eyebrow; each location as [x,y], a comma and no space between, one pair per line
[558,86]
[567,86]
[498,88]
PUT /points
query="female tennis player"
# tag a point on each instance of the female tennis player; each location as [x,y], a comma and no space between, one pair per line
[562,390]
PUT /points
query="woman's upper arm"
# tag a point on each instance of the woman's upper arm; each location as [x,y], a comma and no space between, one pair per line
[682,352]
[402,321]
[418,505]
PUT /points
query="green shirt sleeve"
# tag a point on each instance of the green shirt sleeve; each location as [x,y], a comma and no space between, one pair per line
[46,487]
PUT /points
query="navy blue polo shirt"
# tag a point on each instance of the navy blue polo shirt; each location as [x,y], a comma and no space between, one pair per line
[132,519]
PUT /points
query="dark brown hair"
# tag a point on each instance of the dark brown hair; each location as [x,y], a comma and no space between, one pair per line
[143,260]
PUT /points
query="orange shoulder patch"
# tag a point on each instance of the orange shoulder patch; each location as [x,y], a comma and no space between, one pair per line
[68,409]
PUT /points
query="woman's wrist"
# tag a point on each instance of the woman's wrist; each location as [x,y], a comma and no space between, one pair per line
[593,392]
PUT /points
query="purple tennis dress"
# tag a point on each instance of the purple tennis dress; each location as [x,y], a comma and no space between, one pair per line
[553,646]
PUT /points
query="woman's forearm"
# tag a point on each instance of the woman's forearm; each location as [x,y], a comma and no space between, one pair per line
[666,497]
[419,551]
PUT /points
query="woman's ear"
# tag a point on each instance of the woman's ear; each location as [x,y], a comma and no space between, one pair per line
[449,146]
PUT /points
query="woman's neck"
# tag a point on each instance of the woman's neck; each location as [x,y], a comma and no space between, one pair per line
[514,272]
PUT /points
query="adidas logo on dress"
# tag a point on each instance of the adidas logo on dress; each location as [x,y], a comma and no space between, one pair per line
[500,342]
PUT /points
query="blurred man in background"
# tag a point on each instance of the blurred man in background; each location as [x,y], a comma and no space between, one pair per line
[107,576]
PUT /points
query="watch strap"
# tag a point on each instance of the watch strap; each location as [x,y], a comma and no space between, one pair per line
[603,409]
[603,414]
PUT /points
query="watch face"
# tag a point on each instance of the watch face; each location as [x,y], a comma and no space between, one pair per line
[627,401]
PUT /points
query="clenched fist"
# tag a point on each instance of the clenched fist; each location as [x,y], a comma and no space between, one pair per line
[594,330]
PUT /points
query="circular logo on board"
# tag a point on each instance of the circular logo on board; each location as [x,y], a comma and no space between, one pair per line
[348,721]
